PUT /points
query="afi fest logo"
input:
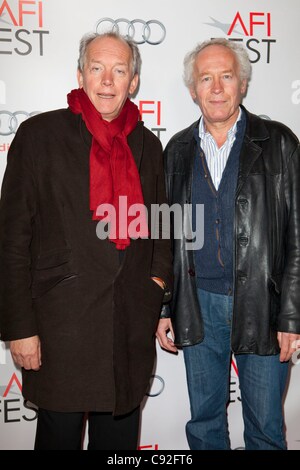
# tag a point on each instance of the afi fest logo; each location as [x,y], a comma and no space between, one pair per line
[152,109]
[13,408]
[256,31]
[21,30]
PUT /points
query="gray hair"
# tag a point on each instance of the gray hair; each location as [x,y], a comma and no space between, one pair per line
[239,51]
[89,37]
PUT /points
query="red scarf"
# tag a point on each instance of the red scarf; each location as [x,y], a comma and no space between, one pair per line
[113,172]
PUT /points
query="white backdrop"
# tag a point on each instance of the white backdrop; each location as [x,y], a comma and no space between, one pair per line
[38,59]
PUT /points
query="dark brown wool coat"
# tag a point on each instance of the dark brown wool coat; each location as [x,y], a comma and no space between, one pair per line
[96,316]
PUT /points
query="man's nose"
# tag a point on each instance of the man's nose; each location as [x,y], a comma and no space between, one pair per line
[107,78]
[217,85]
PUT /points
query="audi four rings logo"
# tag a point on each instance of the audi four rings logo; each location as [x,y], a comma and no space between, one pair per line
[9,122]
[151,32]
[156,387]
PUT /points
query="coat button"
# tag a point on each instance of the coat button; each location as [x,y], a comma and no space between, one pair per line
[242,280]
[243,241]
[191,272]
[243,202]
[242,277]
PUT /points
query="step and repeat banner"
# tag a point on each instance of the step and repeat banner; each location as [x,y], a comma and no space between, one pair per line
[38,59]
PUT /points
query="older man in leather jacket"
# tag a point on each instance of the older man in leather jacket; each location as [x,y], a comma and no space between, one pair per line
[240,292]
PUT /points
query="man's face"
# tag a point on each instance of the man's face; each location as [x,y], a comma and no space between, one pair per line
[217,87]
[107,75]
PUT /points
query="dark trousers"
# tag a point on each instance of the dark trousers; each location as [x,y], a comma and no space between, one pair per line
[65,431]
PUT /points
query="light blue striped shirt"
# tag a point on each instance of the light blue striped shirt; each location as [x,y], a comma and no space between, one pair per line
[216,158]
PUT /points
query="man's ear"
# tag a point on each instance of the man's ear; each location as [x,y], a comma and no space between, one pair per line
[133,84]
[193,93]
[79,79]
[244,86]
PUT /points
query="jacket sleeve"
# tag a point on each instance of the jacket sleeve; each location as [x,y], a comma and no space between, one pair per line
[162,256]
[17,216]
[289,316]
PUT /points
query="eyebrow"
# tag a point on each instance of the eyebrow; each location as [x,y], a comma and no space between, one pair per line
[210,73]
[94,61]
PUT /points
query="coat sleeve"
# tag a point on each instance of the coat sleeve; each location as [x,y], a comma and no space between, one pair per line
[17,217]
[289,316]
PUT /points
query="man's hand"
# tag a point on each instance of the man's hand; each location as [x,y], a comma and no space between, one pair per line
[288,343]
[164,326]
[158,281]
[26,352]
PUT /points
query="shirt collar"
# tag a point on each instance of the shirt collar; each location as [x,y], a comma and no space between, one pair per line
[231,133]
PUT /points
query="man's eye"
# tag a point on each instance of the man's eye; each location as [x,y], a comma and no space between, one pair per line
[95,69]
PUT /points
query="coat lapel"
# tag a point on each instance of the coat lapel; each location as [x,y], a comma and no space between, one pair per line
[256,132]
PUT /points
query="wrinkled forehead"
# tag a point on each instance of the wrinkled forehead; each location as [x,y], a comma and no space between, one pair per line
[215,57]
[108,48]
[216,52]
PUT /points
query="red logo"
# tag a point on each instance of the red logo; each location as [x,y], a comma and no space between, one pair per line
[14,379]
[13,410]
[259,21]
[151,446]
[19,14]
[151,110]
[24,8]
[254,29]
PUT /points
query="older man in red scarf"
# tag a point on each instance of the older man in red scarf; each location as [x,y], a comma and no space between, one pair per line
[81,311]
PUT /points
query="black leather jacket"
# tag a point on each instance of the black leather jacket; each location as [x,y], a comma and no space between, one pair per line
[266,239]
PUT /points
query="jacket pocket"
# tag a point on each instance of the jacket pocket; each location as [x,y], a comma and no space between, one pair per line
[49,270]
[275,298]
